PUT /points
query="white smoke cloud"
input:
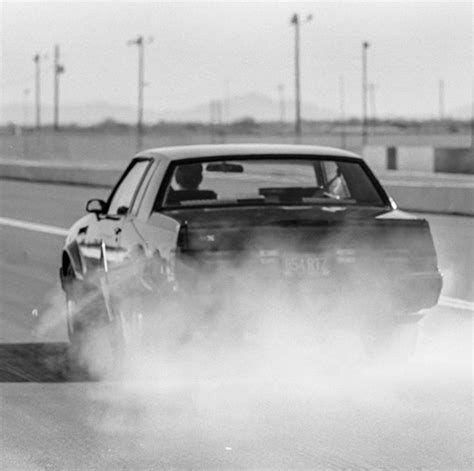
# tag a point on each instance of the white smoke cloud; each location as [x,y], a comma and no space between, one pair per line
[251,360]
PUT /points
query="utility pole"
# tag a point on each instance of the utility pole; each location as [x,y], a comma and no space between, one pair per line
[26,92]
[37,61]
[58,70]
[140,42]
[441,99]
[373,109]
[365,46]
[296,22]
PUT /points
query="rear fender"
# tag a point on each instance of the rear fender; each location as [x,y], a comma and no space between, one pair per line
[71,255]
[160,235]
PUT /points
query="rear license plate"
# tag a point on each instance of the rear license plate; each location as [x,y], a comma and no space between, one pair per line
[303,265]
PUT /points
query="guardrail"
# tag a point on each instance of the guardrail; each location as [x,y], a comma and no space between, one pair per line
[442,193]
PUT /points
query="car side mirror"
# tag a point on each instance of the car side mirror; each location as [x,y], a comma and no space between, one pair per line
[96,206]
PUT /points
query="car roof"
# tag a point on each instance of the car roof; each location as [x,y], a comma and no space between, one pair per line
[227,150]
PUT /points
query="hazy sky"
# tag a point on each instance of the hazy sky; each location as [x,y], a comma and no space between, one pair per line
[201,49]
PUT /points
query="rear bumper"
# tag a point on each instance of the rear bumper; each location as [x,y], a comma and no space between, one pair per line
[352,295]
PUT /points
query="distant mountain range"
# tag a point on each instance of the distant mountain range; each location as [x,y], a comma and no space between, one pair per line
[253,105]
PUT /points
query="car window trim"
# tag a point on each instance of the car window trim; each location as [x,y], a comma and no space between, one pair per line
[122,178]
[173,164]
[145,185]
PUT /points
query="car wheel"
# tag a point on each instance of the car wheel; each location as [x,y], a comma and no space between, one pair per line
[70,287]
[96,344]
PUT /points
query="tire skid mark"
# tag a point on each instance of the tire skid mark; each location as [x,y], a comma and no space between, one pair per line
[31,362]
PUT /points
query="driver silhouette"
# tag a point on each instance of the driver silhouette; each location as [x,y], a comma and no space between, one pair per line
[189,176]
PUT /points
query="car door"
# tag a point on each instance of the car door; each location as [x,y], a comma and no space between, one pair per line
[104,239]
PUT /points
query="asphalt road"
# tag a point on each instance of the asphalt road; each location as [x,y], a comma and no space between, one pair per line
[341,415]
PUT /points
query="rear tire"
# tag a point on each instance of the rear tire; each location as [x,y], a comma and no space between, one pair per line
[96,344]
[95,352]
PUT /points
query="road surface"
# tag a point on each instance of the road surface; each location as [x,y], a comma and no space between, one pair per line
[349,415]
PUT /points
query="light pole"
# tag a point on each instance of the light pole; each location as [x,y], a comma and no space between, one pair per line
[441,99]
[26,93]
[296,22]
[58,70]
[140,42]
[37,61]
[37,58]
[365,46]
[371,88]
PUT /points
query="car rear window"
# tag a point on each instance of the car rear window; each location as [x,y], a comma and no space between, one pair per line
[267,181]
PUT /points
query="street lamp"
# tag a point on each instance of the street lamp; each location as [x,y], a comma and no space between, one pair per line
[26,93]
[37,60]
[441,99]
[140,42]
[365,46]
[58,70]
[296,22]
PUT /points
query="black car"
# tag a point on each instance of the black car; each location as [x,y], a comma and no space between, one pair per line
[186,222]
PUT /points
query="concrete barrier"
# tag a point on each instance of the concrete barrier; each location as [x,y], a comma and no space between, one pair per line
[59,172]
[454,160]
[441,193]
[376,157]
[435,199]
[420,159]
